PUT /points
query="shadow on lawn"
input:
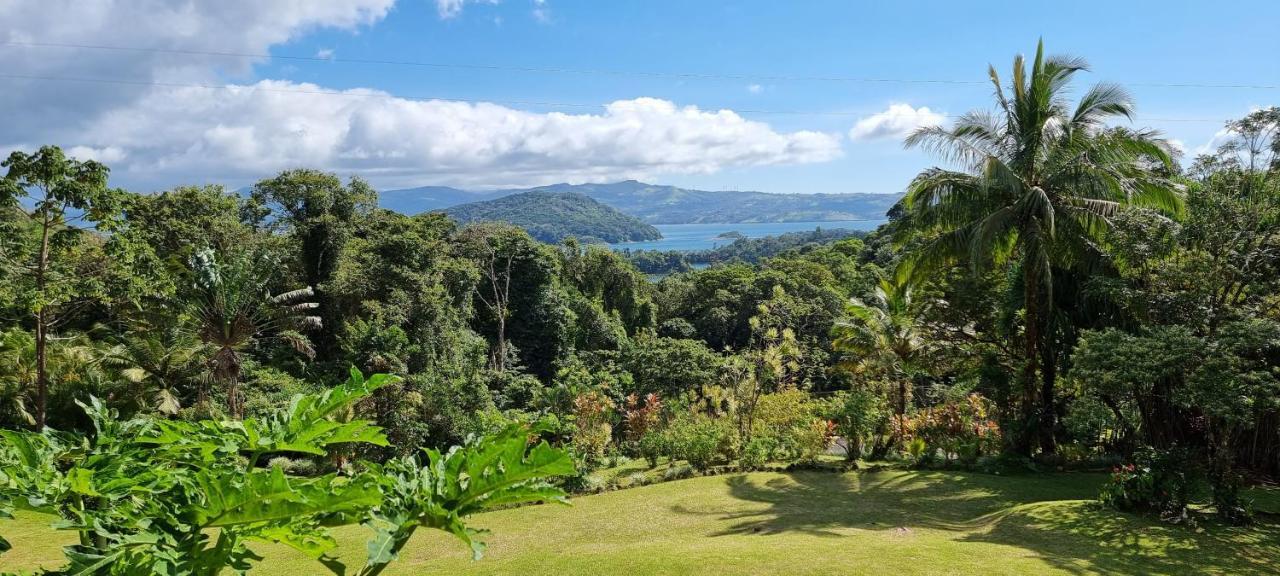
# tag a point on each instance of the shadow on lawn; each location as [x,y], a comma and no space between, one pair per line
[1050,515]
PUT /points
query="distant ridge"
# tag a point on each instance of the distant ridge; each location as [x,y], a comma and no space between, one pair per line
[657,204]
[554,216]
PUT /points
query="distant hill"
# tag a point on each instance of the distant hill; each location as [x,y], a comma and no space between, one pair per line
[429,198]
[656,204]
[553,216]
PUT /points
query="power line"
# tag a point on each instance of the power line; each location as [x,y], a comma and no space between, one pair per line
[587,71]
[383,95]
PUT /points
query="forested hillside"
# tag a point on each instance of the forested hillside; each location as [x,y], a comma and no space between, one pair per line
[554,216]
[656,204]
[747,250]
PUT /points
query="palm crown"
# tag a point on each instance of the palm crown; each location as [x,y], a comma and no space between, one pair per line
[1039,181]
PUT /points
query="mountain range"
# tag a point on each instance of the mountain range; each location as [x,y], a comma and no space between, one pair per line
[657,204]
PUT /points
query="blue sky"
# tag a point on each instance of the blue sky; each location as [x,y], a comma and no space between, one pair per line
[761,60]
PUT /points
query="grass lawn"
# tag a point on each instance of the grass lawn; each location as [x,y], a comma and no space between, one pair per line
[891,522]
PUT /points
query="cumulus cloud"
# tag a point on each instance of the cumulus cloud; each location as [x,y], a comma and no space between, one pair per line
[49,111]
[248,131]
[898,121]
[451,8]
[176,119]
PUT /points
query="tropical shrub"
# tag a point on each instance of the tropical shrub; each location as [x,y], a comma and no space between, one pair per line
[654,445]
[757,452]
[639,416]
[963,429]
[1163,482]
[858,417]
[153,496]
[702,441]
[592,413]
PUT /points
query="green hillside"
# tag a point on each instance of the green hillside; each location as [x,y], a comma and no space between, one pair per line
[553,216]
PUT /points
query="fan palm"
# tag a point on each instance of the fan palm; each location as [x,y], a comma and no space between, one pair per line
[1040,180]
[886,335]
[232,309]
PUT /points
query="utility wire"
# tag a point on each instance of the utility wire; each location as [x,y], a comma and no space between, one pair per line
[587,71]
[361,93]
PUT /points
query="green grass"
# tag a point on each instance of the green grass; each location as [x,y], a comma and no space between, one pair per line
[891,522]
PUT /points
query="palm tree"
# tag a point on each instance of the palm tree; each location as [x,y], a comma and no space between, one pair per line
[887,337]
[17,373]
[232,309]
[1039,181]
[157,362]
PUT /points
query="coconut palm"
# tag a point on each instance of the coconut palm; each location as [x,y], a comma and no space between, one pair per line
[1038,182]
[884,337]
[232,309]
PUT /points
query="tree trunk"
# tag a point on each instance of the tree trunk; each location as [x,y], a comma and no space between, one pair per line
[42,328]
[1048,406]
[1031,297]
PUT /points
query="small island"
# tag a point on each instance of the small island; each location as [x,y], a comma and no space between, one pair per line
[731,235]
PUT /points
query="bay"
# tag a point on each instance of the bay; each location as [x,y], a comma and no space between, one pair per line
[688,237]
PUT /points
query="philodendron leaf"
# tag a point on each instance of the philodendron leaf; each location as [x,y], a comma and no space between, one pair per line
[265,496]
[496,470]
[313,542]
[80,480]
[312,423]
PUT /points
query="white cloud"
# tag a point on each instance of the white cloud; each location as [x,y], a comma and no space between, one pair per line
[49,111]
[325,53]
[1211,146]
[541,12]
[246,132]
[155,133]
[451,8]
[755,88]
[106,154]
[898,121]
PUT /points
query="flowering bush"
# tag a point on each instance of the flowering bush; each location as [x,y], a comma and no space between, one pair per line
[963,429]
[592,432]
[639,416]
[1164,482]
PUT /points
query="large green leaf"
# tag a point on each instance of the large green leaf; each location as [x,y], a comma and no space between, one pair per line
[266,496]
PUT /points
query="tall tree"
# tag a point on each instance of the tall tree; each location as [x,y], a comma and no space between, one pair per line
[67,196]
[320,213]
[519,304]
[1038,183]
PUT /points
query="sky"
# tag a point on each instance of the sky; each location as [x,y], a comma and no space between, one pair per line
[790,97]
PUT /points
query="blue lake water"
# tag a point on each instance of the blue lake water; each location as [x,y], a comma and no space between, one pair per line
[704,236]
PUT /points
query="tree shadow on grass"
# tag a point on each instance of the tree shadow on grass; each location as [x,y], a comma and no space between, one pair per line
[1050,515]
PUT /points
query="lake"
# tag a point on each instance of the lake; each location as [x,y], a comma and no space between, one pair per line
[686,237]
